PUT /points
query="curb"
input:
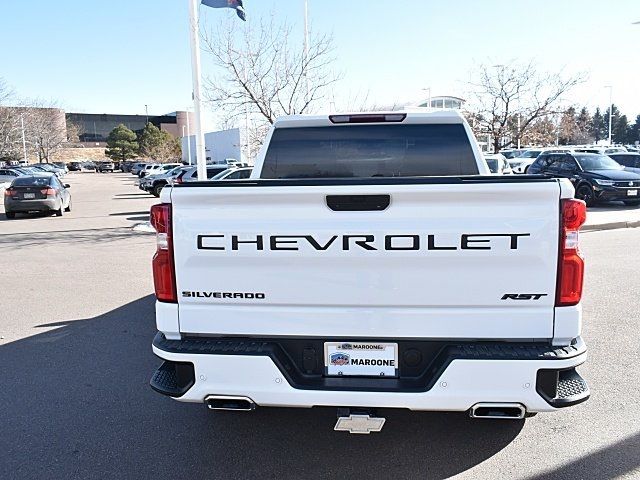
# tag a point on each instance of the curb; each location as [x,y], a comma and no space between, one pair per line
[610,226]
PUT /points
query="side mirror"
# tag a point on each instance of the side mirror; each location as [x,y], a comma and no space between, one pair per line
[66,185]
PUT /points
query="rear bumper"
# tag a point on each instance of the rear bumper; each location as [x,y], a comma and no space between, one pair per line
[11,205]
[615,193]
[458,377]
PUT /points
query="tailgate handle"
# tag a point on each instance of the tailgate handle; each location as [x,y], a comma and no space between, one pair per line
[358,203]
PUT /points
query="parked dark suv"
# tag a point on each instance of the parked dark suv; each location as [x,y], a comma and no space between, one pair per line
[595,177]
[629,160]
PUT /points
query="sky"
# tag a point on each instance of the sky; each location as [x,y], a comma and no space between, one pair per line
[117,56]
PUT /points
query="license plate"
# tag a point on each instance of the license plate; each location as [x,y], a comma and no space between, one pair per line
[361,359]
[29,195]
[632,193]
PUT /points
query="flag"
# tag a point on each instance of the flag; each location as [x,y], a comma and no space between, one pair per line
[235,4]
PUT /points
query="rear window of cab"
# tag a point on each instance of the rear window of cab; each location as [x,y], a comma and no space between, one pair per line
[26,181]
[364,151]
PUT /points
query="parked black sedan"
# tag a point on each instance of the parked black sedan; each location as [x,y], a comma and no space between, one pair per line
[595,177]
[39,192]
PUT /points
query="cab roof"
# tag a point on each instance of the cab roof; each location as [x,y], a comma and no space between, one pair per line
[362,118]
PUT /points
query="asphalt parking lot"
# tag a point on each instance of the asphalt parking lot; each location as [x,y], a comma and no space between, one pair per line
[75,361]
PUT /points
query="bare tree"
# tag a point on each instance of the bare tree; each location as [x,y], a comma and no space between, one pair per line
[74,130]
[542,131]
[502,95]
[264,73]
[44,126]
[46,129]
[169,149]
[9,121]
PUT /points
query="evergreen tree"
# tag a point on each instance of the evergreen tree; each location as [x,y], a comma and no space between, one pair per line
[598,128]
[584,127]
[158,144]
[149,140]
[620,131]
[619,126]
[634,131]
[568,128]
[121,144]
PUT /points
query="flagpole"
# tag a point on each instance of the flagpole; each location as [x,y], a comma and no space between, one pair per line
[201,160]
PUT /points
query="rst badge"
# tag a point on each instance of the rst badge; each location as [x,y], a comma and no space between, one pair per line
[523,296]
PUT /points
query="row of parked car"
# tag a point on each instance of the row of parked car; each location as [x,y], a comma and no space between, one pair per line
[154,177]
[105,166]
[598,173]
[9,173]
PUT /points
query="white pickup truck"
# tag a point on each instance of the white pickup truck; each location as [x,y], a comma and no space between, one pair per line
[371,262]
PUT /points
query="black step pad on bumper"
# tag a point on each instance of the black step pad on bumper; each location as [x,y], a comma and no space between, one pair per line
[173,378]
[562,388]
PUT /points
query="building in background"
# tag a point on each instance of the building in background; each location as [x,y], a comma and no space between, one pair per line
[83,136]
[221,145]
[446,102]
[95,127]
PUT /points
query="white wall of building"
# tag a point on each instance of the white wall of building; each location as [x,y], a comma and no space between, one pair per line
[218,146]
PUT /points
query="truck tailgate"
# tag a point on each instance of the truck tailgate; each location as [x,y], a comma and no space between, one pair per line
[473,260]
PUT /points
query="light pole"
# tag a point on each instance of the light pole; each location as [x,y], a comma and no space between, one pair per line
[146,112]
[24,142]
[188,137]
[610,87]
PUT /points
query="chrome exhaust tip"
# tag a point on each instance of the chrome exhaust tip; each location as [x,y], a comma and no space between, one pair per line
[500,411]
[227,402]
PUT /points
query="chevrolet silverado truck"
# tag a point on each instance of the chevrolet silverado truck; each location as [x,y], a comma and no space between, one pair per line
[371,262]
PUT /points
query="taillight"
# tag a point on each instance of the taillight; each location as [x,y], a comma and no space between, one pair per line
[179,179]
[9,192]
[571,263]
[48,191]
[369,118]
[164,273]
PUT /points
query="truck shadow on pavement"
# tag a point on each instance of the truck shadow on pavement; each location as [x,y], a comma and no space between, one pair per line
[77,404]
[57,237]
